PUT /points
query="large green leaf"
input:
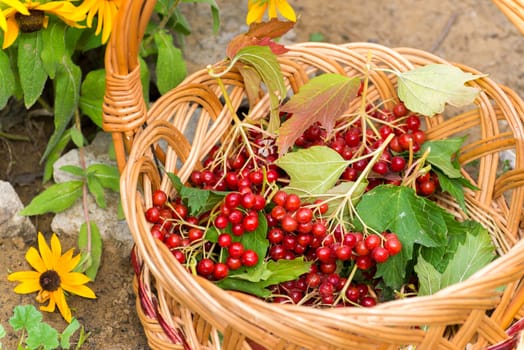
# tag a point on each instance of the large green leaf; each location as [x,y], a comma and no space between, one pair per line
[67,92]
[54,46]
[25,316]
[7,79]
[54,154]
[97,190]
[108,175]
[92,95]
[92,257]
[476,252]
[68,332]
[170,66]
[427,89]
[313,170]
[42,336]
[54,199]
[30,66]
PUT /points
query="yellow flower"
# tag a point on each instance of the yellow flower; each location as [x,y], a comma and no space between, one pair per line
[14,4]
[257,8]
[106,10]
[54,275]
[31,16]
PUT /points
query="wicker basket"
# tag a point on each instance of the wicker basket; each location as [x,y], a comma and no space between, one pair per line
[514,11]
[180,311]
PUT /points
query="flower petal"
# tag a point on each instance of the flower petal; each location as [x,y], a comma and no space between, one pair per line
[27,287]
[11,33]
[45,252]
[80,290]
[22,276]
[67,262]
[17,5]
[256,12]
[286,10]
[56,247]
[35,260]
[61,302]
[52,304]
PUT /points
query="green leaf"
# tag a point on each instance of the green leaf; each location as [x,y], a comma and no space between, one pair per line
[77,137]
[427,89]
[323,99]
[108,175]
[97,190]
[92,95]
[198,200]
[265,63]
[476,252]
[455,187]
[7,79]
[94,256]
[54,46]
[67,91]
[416,220]
[256,280]
[68,332]
[42,335]
[170,66]
[323,168]
[55,154]
[30,66]
[442,153]
[2,333]
[25,317]
[73,169]
[145,77]
[54,199]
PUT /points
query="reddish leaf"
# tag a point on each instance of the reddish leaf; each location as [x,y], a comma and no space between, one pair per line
[260,34]
[323,99]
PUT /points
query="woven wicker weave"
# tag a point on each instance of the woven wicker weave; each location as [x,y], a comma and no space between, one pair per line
[514,10]
[180,311]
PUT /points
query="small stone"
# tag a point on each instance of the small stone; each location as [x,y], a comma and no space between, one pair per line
[11,223]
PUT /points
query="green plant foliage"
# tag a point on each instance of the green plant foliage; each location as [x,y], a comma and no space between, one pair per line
[90,245]
[54,199]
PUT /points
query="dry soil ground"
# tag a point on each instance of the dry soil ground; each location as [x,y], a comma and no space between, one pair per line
[472,32]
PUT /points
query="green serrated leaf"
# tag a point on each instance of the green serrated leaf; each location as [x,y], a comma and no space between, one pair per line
[427,89]
[264,61]
[95,255]
[54,46]
[73,169]
[55,154]
[286,270]
[328,165]
[442,153]
[198,200]
[170,66]
[30,66]
[54,199]
[68,333]
[92,95]
[42,336]
[25,317]
[474,253]
[97,190]
[108,175]
[455,187]
[7,79]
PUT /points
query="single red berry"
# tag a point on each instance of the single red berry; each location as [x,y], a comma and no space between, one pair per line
[380,254]
[235,250]
[372,241]
[397,163]
[224,240]
[220,271]
[393,245]
[195,234]
[153,215]
[249,258]
[233,263]
[304,215]
[400,110]
[250,222]
[292,202]
[413,122]
[159,198]
[205,267]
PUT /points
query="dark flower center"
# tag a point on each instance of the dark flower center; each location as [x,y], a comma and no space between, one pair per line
[50,280]
[31,23]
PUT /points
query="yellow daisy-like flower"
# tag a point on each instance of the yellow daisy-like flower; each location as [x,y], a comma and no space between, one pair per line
[257,8]
[14,4]
[106,11]
[32,16]
[54,275]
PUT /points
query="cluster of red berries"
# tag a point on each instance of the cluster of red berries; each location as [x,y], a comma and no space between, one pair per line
[294,229]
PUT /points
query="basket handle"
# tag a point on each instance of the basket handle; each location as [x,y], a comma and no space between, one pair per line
[124,108]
